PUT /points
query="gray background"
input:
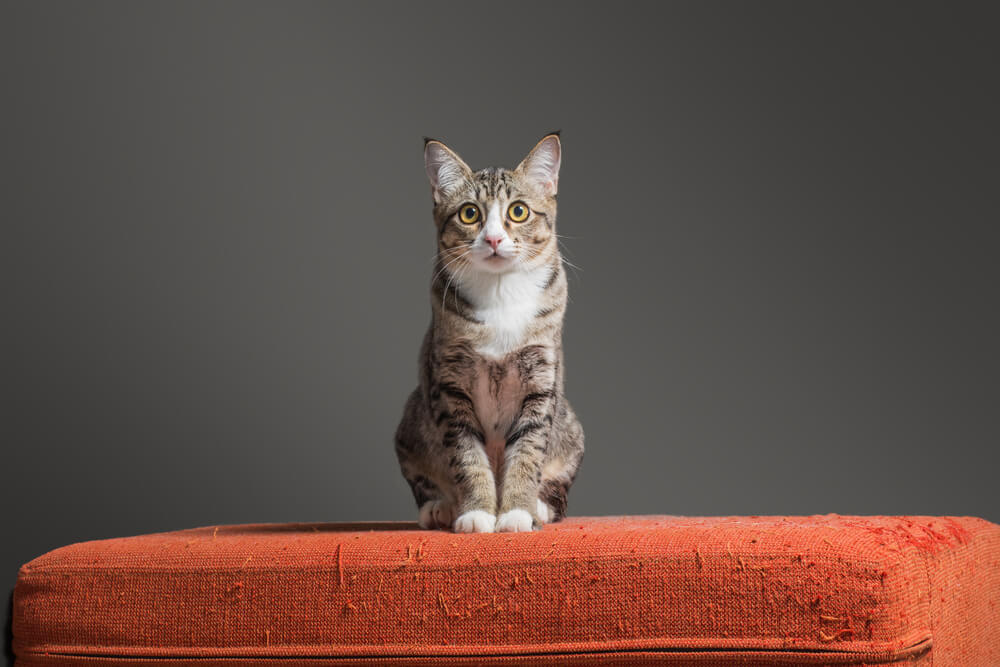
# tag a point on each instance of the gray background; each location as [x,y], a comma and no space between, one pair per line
[217,242]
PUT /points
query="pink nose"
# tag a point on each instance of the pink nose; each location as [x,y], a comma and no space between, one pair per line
[494,241]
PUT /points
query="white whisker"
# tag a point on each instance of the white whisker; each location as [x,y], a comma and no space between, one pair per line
[458,257]
[461,269]
[569,263]
[458,278]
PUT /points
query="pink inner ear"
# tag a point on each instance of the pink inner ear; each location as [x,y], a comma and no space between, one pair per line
[543,165]
[547,179]
[445,169]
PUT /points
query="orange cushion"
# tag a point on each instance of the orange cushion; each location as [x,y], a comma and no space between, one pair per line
[632,590]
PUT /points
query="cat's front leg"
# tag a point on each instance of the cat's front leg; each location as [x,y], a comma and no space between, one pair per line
[523,461]
[468,465]
[527,439]
[476,486]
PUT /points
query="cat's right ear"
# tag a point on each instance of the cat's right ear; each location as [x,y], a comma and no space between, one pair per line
[445,170]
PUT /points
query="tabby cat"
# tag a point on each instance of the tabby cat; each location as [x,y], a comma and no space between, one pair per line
[487,441]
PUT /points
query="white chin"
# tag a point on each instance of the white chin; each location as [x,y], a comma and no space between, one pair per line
[495,264]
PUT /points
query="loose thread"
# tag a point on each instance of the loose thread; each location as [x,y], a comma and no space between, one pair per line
[444,605]
[340,564]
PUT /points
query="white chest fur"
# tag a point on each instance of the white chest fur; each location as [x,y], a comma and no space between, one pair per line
[506,304]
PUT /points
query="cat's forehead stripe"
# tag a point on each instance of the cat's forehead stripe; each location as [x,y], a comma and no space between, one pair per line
[491,181]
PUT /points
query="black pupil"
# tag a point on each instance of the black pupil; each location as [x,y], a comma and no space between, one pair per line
[518,211]
[470,212]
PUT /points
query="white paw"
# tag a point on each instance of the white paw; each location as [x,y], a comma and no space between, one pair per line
[542,511]
[436,514]
[514,521]
[475,521]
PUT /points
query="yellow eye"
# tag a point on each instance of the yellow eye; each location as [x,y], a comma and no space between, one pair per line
[518,211]
[469,214]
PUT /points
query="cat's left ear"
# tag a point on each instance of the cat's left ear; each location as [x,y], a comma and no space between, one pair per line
[542,163]
[445,169]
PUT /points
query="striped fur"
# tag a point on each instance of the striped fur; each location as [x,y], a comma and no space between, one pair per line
[487,440]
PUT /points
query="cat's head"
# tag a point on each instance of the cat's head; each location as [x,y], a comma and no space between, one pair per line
[495,220]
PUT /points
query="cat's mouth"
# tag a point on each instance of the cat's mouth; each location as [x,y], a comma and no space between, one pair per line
[495,261]
[495,254]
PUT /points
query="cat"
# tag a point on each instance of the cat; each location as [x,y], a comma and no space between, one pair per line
[487,440]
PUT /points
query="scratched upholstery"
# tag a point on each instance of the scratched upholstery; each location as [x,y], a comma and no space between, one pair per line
[623,590]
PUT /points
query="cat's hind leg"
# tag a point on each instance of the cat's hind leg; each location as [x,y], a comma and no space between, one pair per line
[559,471]
[435,510]
[553,498]
[434,507]
[437,514]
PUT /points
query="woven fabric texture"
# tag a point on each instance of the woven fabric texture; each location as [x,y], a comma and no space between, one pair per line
[814,590]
